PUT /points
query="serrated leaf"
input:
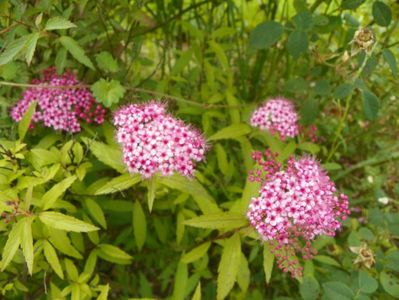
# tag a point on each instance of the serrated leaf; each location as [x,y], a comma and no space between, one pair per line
[30,45]
[265,35]
[228,266]
[243,276]
[382,13]
[231,132]
[139,225]
[107,154]
[12,244]
[27,242]
[23,125]
[63,222]
[192,187]
[76,51]
[370,105]
[56,191]
[96,212]
[106,62]
[13,49]
[108,92]
[225,220]
[268,261]
[113,254]
[119,183]
[297,43]
[196,253]
[51,256]
[58,22]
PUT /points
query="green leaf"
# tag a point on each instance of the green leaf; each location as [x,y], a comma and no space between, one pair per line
[192,187]
[59,239]
[13,49]
[265,35]
[310,111]
[382,13]
[335,290]
[108,92]
[96,212]
[220,53]
[72,271]
[60,60]
[51,256]
[244,275]
[23,125]
[326,260]
[113,254]
[76,51]
[31,43]
[297,43]
[139,225]
[12,244]
[56,191]
[180,281]
[27,242]
[268,261]
[221,156]
[197,293]
[58,22]
[228,266]
[63,222]
[343,90]
[231,132]
[106,62]
[367,284]
[370,105]
[392,261]
[225,220]
[108,155]
[351,4]
[119,183]
[391,61]
[196,253]
[151,189]
[104,290]
[309,147]
[390,283]
[309,288]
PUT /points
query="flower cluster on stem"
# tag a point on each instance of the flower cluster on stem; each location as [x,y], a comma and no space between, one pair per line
[154,141]
[296,204]
[61,106]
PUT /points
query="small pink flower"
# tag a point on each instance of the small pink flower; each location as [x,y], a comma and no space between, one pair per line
[297,203]
[60,108]
[153,141]
[277,116]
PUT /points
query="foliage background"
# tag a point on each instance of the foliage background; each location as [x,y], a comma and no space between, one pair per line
[213,62]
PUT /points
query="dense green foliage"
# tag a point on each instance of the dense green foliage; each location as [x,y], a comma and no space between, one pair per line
[76,225]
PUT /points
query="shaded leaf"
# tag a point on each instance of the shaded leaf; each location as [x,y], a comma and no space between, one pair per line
[139,225]
[265,35]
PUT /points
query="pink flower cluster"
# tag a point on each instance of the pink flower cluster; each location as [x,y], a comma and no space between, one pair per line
[153,141]
[60,108]
[277,116]
[297,203]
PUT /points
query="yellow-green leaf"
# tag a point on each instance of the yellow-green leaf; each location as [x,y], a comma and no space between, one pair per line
[119,183]
[96,212]
[23,125]
[12,244]
[231,132]
[139,225]
[27,242]
[268,260]
[196,253]
[56,191]
[51,256]
[226,220]
[63,222]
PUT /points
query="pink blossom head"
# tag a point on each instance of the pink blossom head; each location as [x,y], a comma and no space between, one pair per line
[61,108]
[296,204]
[277,116]
[155,142]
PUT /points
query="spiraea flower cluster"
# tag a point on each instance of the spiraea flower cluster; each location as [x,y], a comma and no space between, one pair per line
[155,142]
[277,116]
[59,104]
[296,204]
